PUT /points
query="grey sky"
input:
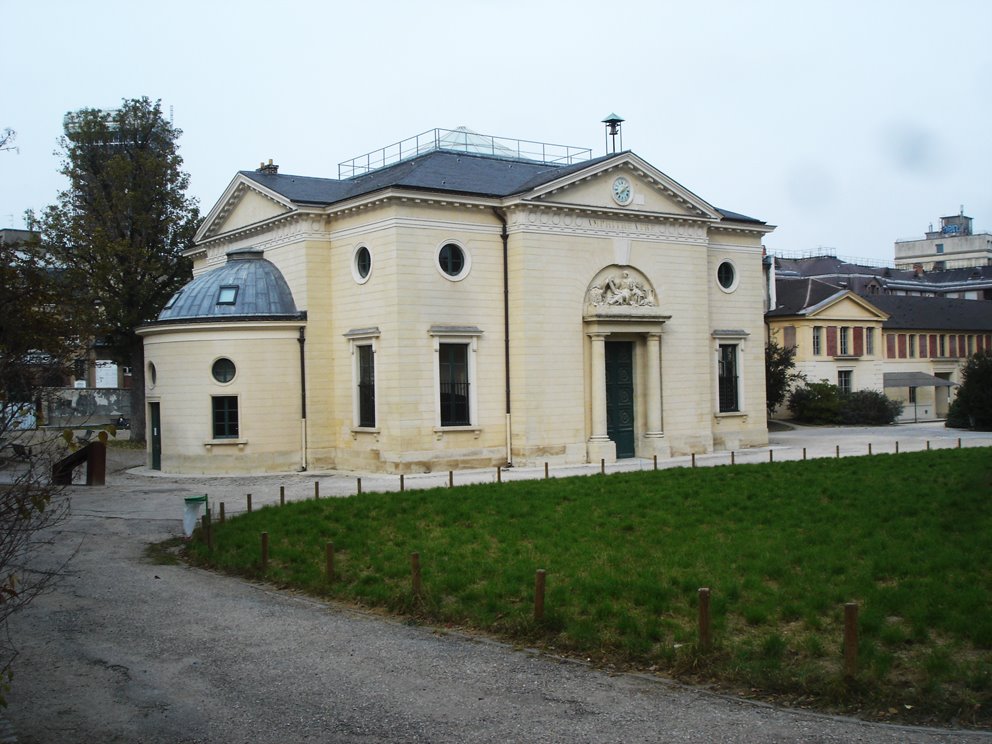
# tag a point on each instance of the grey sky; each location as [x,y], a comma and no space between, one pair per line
[847,124]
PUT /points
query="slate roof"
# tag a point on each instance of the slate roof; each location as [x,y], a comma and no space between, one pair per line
[910,312]
[262,292]
[438,171]
[792,296]
[858,276]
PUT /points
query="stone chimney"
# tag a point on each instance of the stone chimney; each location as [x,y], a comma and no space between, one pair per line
[269,169]
[918,269]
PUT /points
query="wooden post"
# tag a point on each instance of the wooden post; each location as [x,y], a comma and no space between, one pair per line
[804,453]
[222,512]
[850,639]
[837,451]
[282,495]
[415,572]
[402,487]
[704,619]
[869,448]
[897,446]
[928,445]
[265,550]
[499,475]
[330,561]
[602,466]
[451,479]
[959,442]
[733,460]
[693,459]
[545,471]
[359,486]
[248,498]
[656,462]
[316,490]
[539,583]
[771,455]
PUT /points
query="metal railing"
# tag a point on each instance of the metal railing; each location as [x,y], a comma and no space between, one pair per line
[462,140]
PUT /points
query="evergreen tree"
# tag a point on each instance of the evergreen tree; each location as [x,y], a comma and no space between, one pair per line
[119,230]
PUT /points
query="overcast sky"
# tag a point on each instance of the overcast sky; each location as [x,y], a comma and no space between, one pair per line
[848,125]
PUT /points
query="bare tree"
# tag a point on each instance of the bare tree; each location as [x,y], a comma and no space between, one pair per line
[7,137]
[36,340]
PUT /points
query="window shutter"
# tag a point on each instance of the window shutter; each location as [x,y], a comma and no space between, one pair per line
[831,340]
[902,345]
[859,341]
[890,345]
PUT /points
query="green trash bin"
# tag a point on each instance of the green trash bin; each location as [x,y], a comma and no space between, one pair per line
[192,514]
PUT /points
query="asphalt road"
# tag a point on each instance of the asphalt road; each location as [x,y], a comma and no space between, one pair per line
[128,651]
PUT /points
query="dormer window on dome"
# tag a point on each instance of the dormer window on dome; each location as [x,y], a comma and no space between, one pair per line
[172,300]
[227,295]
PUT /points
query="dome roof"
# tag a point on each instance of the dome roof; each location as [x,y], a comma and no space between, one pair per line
[247,286]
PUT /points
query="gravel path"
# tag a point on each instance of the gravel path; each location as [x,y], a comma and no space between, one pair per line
[128,651]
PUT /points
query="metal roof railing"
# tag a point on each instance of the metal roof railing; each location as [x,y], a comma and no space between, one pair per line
[462,140]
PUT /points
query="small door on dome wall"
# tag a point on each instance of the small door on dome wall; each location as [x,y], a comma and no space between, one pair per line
[155,423]
[620,396]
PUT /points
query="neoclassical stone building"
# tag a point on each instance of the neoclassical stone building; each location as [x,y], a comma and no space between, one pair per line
[455,301]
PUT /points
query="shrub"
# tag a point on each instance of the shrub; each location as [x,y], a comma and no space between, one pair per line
[824,403]
[816,403]
[974,400]
[868,407]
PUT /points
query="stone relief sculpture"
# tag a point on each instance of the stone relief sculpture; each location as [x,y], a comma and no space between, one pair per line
[621,290]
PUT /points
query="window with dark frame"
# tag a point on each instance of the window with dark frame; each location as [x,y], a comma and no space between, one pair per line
[453,373]
[817,340]
[363,262]
[366,386]
[845,349]
[727,379]
[451,259]
[227,295]
[225,416]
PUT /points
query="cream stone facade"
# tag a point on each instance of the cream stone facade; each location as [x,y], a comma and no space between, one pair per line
[462,310]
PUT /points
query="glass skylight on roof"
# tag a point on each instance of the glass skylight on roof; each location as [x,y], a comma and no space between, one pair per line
[227,295]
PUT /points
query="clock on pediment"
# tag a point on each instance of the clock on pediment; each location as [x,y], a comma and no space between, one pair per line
[622,191]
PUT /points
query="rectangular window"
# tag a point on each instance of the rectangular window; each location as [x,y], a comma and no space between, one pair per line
[817,340]
[844,380]
[870,341]
[940,247]
[942,340]
[728,388]
[844,345]
[225,416]
[453,373]
[912,345]
[912,395]
[366,386]
[227,295]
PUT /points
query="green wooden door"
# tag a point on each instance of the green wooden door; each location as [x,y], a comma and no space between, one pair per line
[156,425]
[620,396]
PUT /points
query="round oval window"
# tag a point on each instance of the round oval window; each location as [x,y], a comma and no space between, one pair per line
[451,259]
[363,262]
[223,370]
[726,275]
[152,374]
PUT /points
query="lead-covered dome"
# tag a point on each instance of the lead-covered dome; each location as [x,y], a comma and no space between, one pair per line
[247,286]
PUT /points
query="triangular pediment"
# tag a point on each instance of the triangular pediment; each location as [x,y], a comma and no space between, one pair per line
[244,203]
[605,184]
[845,305]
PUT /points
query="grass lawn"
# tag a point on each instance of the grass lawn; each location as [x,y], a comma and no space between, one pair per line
[781,546]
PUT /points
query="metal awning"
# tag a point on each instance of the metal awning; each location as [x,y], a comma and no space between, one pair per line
[913,380]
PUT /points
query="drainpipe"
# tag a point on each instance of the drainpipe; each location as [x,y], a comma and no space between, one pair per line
[506,333]
[303,399]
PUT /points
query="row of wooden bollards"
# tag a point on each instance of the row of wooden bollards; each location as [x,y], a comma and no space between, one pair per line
[704,624]
[547,475]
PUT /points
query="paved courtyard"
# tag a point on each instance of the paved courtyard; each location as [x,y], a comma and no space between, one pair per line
[125,650]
